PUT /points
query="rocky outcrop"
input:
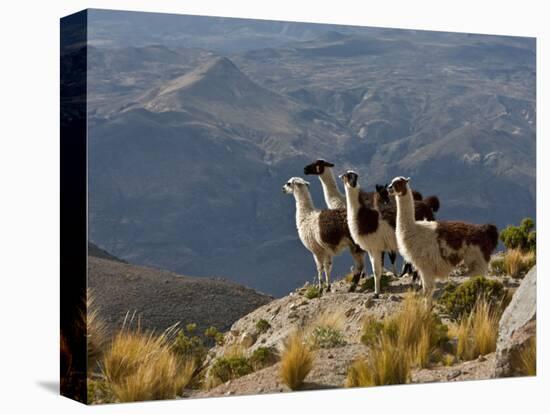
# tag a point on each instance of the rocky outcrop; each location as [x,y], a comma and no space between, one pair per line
[517,326]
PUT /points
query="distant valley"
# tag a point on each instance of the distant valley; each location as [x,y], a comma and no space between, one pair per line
[190,144]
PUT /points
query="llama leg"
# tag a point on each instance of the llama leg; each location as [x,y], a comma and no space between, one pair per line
[327,268]
[365,272]
[319,264]
[377,267]
[428,284]
[405,269]
[393,258]
[357,269]
[415,278]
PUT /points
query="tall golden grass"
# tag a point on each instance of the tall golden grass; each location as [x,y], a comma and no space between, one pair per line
[387,364]
[333,319]
[296,361]
[526,362]
[140,366]
[476,333]
[415,329]
[96,333]
[408,339]
[517,262]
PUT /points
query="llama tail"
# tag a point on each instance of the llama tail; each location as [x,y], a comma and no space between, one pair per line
[433,203]
[492,234]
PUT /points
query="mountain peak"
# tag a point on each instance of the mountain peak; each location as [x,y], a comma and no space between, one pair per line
[218,67]
[219,63]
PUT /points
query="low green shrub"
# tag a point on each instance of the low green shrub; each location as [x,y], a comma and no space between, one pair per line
[368,284]
[213,333]
[326,337]
[263,357]
[191,327]
[312,292]
[520,237]
[190,347]
[458,300]
[262,326]
[228,368]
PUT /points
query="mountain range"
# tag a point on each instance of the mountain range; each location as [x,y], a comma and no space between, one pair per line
[189,143]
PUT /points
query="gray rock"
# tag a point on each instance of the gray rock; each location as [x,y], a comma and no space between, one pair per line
[247,339]
[454,374]
[369,302]
[517,325]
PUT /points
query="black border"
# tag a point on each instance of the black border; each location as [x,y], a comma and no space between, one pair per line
[73,205]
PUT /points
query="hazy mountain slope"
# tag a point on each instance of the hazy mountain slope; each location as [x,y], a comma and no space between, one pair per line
[188,149]
[161,299]
[428,105]
[98,252]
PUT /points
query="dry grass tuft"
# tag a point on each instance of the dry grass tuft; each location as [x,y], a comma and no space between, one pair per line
[476,333]
[526,360]
[326,330]
[140,366]
[517,263]
[412,337]
[296,361]
[334,319]
[387,364]
[415,329]
[448,360]
[96,333]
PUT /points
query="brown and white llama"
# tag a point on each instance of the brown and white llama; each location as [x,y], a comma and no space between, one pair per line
[324,233]
[367,227]
[435,248]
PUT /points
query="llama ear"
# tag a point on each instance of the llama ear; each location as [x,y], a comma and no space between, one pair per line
[328,164]
[379,187]
[306,183]
[408,179]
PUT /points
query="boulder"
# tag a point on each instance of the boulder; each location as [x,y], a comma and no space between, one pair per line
[247,339]
[517,326]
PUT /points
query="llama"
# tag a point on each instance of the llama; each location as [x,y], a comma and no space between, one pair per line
[432,203]
[435,248]
[368,227]
[335,199]
[324,233]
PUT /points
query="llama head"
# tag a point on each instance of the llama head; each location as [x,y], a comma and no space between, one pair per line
[399,186]
[317,167]
[350,179]
[383,193]
[294,184]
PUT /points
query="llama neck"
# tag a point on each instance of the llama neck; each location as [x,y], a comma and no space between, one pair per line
[304,203]
[405,210]
[333,197]
[352,199]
